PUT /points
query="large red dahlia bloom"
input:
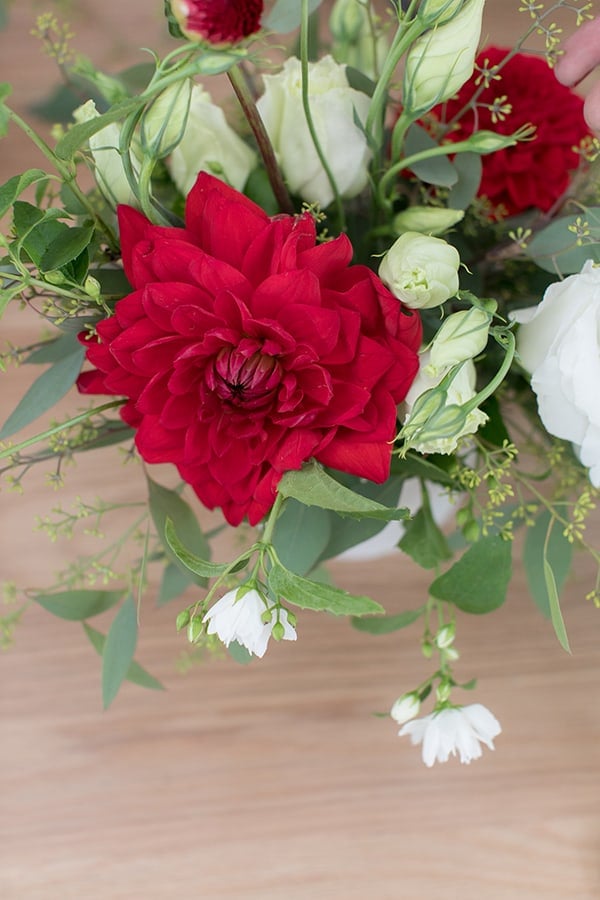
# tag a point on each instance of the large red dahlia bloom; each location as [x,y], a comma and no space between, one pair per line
[218,21]
[532,173]
[246,348]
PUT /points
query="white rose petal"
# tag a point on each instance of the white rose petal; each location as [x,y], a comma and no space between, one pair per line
[454,730]
[559,344]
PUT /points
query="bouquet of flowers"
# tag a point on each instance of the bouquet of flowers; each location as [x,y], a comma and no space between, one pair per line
[363,287]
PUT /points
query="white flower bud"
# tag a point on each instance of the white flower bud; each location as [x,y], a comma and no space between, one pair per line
[163,123]
[347,20]
[209,144]
[442,60]
[421,271]
[463,335]
[445,636]
[431,220]
[405,708]
[108,165]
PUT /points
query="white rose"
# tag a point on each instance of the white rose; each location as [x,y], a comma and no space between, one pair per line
[333,105]
[108,164]
[559,344]
[420,270]
[442,60]
[209,144]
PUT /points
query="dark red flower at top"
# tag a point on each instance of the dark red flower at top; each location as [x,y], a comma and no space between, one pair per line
[218,21]
[246,348]
[532,173]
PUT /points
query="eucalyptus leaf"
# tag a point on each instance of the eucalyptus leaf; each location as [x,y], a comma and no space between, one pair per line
[5,90]
[469,168]
[53,350]
[190,561]
[45,392]
[438,170]
[312,486]
[135,673]
[285,16]
[555,610]
[478,581]
[423,541]
[174,582]
[301,535]
[546,544]
[118,651]
[78,605]
[387,624]
[347,532]
[239,653]
[166,504]
[555,248]
[315,595]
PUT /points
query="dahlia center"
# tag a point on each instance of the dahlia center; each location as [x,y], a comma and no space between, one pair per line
[242,380]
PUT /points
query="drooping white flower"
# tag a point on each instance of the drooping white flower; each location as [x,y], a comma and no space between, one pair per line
[405,708]
[453,730]
[559,344]
[238,616]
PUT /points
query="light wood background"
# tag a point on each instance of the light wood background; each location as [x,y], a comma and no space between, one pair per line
[275,781]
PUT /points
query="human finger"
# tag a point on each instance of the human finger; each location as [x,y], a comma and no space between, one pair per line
[582,54]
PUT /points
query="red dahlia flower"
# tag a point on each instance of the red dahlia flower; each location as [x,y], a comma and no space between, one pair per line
[532,173]
[218,21]
[246,348]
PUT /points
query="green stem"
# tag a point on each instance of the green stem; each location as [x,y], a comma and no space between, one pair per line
[304,34]
[242,92]
[68,176]
[267,536]
[56,429]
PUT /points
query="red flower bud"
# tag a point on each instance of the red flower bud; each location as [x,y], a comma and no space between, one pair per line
[218,21]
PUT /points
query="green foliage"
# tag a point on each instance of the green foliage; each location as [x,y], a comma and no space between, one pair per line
[78,605]
[387,624]
[564,245]
[174,582]
[15,186]
[167,506]
[547,557]
[423,541]
[44,393]
[5,91]
[312,486]
[135,673]
[118,651]
[347,532]
[437,170]
[301,535]
[190,561]
[285,16]
[315,595]
[478,581]
[468,167]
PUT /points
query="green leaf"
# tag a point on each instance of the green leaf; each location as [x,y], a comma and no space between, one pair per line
[555,248]
[387,624]
[493,431]
[135,673]
[166,504]
[77,136]
[45,391]
[545,543]
[423,541]
[66,247]
[53,350]
[469,167]
[438,170]
[190,561]
[119,648]
[301,535]
[239,653]
[36,228]
[555,611]
[315,595]
[5,90]
[478,581]
[285,16]
[430,469]
[78,605]
[314,487]
[347,532]
[15,186]
[174,582]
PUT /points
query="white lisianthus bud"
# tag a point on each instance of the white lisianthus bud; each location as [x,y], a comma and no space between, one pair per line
[245,616]
[405,708]
[163,122]
[442,60]
[431,220]
[108,165]
[421,271]
[437,418]
[209,144]
[463,335]
[347,20]
[354,42]
[484,142]
[439,11]
[334,106]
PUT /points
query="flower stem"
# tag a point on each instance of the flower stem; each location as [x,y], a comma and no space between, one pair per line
[56,429]
[244,95]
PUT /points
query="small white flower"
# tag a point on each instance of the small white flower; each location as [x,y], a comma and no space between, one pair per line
[238,616]
[405,708]
[458,729]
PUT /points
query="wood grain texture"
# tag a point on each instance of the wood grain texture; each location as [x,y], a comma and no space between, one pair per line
[275,781]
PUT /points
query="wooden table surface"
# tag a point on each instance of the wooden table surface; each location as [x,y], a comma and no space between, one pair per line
[275,781]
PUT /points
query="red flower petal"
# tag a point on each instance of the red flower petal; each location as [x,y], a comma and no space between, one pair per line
[218,21]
